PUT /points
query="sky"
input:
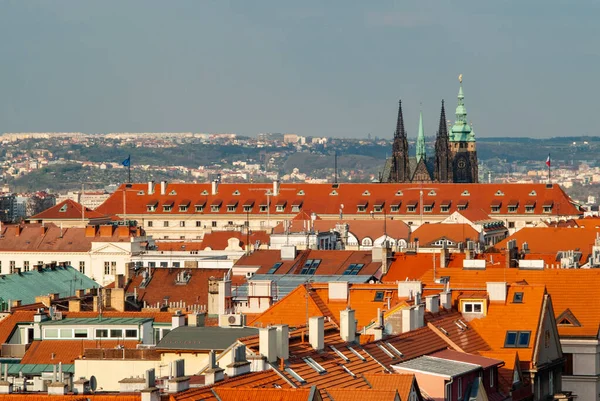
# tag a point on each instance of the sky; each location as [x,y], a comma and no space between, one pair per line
[315,68]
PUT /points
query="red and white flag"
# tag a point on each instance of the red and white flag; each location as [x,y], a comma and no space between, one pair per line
[548,161]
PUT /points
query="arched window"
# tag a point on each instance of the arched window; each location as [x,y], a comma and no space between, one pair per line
[367,242]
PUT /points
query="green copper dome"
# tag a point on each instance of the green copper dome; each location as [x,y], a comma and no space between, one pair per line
[461,131]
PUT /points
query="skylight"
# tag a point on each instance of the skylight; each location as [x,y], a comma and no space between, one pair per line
[355,352]
[353,269]
[517,339]
[274,268]
[315,365]
[339,353]
[348,371]
[379,296]
[386,351]
[310,267]
[295,375]
[395,350]
[518,298]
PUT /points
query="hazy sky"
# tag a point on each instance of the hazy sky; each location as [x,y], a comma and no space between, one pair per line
[334,68]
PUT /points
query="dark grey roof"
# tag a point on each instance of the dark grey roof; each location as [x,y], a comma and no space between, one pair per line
[204,338]
[439,366]
[283,284]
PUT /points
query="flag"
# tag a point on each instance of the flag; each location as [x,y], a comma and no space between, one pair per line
[127,162]
[548,161]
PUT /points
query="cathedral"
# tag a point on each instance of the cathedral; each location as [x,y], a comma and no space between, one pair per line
[455,158]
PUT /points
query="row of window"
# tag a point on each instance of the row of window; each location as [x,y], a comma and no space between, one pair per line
[27,265]
[69,333]
[412,208]
[216,208]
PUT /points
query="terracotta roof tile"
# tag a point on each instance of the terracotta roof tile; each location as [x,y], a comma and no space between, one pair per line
[402,383]
[9,323]
[67,210]
[66,351]
[71,397]
[319,198]
[429,233]
[262,394]
[468,340]
[361,229]
[364,394]
[218,240]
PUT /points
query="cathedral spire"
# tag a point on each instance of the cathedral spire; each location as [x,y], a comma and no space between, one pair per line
[420,139]
[461,130]
[400,123]
[443,128]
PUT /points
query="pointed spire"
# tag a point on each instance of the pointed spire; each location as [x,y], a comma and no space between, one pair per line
[400,123]
[443,128]
[420,139]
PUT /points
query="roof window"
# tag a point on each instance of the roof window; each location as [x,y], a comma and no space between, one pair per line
[465,193]
[173,192]
[518,298]
[399,193]
[355,352]
[310,266]
[353,269]
[379,296]
[63,208]
[517,339]
[366,193]
[274,268]
[339,353]
[295,375]
[333,193]
[315,365]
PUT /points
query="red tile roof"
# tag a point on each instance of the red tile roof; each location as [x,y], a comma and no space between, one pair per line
[363,394]
[452,355]
[262,394]
[445,325]
[322,199]
[67,210]
[50,238]
[402,383]
[71,397]
[361,229]
[164,285]
[66,351]
[219,240]
[9,323]
[430,233]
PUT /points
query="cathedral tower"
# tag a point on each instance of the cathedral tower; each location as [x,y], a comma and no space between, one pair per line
[399,171]
[462,144]
[443,154]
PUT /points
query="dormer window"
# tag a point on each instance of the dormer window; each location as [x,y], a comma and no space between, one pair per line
[499,193]
[216,205]
[465,193]
[333,193]
[513,205]
[472,307]
[231,206]
[205,193]
[428,206]
[173,193]
[533,193]
[399,193]
[141,193]
[199,206]
[236,193]
[362,206]
[151,206]
[530,207]
[395,206]
[366,193]
[184,206]
[378,206]
[248,205]
[263,207]
[548,206]
[432,193]
[296,206]
[495,205]
[411,206]
[300,193]
[462,205]
[63,208]
[168,206]
[280,206]
[445,206]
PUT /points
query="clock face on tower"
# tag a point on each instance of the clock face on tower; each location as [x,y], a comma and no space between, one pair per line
[462,164]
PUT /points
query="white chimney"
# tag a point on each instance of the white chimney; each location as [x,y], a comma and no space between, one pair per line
[215,187]
[446,299]
[407,315]
[497,291]
[316,332]
[419,317]
[283,341]
[288,252]
[150,187]
[432,303]
[224,295]
[276,185]
[408,289]
[348,325]
[177,320]
[267,343]
[163,187]
[338,290]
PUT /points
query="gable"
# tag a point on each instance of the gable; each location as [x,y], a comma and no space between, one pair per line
[548,342]
[109,248]
[421,173]
[567,318]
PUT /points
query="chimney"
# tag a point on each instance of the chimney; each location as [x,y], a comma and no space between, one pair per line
[18,229]
[288,252]
[163,187]
[150,188]
[338,290]
[177,320]
[407,316]
[224,296]
[151,392]
[419,316]
[283,341]
[444,254]
[347,325]
[6,387]
[432,303]
[239,364]
[407,289]
[214,187]
[179,382]
[15,303]
[497,291]
[446,299]
[44,229]
[196,319]
[81,386]
[214,373]
[74,305]
[267,343]
[316,332]
[276,185]
[90,231]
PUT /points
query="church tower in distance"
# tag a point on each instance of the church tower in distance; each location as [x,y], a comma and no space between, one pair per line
[462,144]
[399,171]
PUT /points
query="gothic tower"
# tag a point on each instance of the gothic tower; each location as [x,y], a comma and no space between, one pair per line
[462,144]
[443,154]
[399,171]
[421,172]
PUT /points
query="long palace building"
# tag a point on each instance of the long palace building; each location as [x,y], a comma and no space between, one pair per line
[187,211]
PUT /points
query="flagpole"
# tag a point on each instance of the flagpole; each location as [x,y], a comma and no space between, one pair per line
[549,164]
[129,170]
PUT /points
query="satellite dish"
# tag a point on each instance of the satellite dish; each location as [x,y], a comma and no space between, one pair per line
[93,383]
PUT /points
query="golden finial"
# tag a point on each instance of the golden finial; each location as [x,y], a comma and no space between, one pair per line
[460,78]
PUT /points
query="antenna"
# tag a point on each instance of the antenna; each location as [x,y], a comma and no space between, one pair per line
[335,177]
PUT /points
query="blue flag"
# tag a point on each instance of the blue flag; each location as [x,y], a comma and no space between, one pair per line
[127,162]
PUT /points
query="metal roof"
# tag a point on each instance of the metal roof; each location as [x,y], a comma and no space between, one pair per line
[36,369]
[91,321]
[203,338]
[283,284]
[28,285]
[438,366]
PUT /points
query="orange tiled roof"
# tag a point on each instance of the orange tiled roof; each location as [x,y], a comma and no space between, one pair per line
[9,323]
[71,397]
[475,215]
[181,246]
[50,238]
[262,394]
[506,372]
[66,351]
[163,284]
[67,210]
[400,382]
[218,240]
[159,317]
[321,199]
[550,240]
[364,394]
[468,340]
[429,233]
